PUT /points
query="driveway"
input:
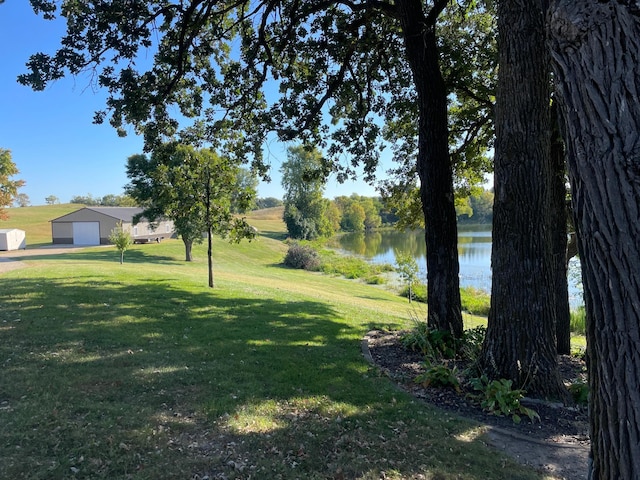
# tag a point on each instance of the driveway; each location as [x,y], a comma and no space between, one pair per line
[11,260]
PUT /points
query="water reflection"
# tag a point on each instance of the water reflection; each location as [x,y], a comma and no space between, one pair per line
[474,253]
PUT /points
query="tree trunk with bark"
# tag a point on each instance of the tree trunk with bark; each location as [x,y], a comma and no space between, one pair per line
[596,60]
[434,167]
[207,204]
[210,256]
[520,344]
[572,246]
[188,244]
[558,217]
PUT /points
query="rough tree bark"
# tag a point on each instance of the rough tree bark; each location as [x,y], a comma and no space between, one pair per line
[596,61]
[520,344]
[188,244]
[558,217]
[208,206]
[434,166]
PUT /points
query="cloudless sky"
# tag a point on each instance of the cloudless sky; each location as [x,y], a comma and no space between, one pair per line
[54,144]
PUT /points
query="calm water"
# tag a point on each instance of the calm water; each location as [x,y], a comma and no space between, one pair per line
[474,254]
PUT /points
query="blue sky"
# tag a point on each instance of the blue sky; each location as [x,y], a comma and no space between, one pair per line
[54,144]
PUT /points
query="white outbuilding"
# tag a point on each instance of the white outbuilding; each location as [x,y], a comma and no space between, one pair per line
[12,239]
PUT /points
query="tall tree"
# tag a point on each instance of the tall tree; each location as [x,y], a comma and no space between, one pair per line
[159,184]
[596,63]
[194,188]
[434,165]
[8,188]
[355,62]
[358,213]
[482,206]
[353,217]
[520,344]
[304,207]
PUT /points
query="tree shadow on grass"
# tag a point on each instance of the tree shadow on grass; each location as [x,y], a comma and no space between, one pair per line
[275,235]
[153,379]
[107,255]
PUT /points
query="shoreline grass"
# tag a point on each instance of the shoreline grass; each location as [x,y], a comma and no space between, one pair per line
[140,371]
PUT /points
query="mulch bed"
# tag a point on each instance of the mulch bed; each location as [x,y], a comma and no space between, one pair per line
[558,423]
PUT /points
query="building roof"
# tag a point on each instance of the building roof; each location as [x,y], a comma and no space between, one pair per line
[125,214]
[121,213]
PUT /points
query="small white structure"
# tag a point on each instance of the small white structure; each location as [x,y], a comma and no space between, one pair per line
[12,239]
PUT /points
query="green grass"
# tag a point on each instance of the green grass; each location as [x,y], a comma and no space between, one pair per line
[140,371]
[475,301]
[351,267]
[578,321]
[269,222]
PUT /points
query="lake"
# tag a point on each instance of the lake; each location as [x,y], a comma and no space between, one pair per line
[474,254]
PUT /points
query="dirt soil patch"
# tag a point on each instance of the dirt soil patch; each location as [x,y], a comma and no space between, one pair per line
[557,444]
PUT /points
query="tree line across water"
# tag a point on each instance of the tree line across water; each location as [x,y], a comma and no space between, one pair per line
[308,215]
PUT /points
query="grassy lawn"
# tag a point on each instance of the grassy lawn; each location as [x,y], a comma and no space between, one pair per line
[140,371]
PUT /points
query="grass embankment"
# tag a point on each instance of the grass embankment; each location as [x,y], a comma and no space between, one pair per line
[140,371]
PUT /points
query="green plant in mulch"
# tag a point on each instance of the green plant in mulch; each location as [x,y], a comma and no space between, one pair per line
[500,398]
[580,392]
[438,376]
[471,346]
[432,343]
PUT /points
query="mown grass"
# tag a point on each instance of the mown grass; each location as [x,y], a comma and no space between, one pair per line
[140,371]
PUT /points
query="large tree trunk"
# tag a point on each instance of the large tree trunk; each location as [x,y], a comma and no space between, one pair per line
[558,218]
[434,169]
[520,344]
[596,51]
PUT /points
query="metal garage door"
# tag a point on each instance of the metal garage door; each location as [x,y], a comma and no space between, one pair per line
[86,233]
